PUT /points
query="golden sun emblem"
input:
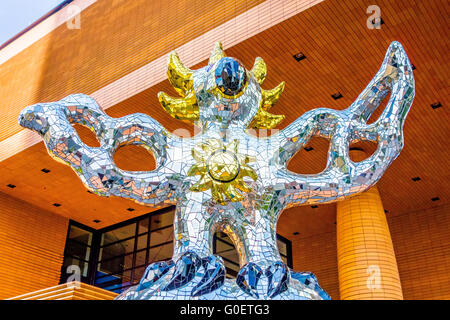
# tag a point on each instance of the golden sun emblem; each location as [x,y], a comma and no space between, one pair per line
[221,169]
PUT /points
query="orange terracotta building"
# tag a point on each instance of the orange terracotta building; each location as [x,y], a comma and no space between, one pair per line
[391,242]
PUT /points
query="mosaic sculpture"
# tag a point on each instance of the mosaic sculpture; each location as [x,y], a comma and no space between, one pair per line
[224,178]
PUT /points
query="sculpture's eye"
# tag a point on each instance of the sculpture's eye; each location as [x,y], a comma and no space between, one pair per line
[231,78]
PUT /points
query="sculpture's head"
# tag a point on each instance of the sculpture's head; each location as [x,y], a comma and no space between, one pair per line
[223,92]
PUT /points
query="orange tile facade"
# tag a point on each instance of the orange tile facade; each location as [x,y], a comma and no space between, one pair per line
[318,255]
[116,38]
[31,247]
[422,246]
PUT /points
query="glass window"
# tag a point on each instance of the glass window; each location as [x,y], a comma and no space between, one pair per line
[160,253]
[116,264]
[161,236]
[224,247]
[119,234]
[116,249]
[116,282]
[161,220]
[138,273]
[77,252]
[143,225]
[80,235]
[282,247]
[141,257]
[127,248]
[142,242]
[223,243]
[71,261]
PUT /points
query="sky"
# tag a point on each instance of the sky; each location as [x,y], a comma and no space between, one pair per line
[16,15]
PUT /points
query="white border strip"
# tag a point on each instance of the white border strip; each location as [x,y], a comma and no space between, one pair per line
[42,29]
[232,32]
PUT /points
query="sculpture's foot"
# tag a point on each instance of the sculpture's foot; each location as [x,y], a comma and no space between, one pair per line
[248,279]
[185,269]
[192,277]
[267,283]
[155,273]
[278,278]
[310,281]
[213,276]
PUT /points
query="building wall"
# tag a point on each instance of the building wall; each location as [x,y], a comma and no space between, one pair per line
[31,247]
[114,39]
[422,247]
[318,254]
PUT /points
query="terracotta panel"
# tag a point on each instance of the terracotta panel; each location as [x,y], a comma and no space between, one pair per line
[31,247]
[115,39]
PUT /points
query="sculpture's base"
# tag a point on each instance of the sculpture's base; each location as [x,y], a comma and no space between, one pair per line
[301,286]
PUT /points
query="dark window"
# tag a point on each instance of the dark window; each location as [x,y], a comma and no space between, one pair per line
[78,251]
[126,249]
[224,247]
[115,258]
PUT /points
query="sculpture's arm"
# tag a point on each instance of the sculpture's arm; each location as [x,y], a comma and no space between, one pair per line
[342,177]
[95,166]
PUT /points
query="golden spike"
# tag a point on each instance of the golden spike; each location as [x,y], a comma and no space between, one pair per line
[202,185]
[196,169]
[247,171]
[232,194]
[217,53]
[217,193]
[265,120]
[179,76]
[241,185]
[180,108]
[259,70]
[270,97]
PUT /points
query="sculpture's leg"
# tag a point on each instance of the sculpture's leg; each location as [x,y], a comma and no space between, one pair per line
[264,274]
[193,271]
[192,253]
[261,240]
[191,227]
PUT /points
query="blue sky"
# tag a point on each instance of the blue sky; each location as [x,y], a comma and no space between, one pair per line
[16,15]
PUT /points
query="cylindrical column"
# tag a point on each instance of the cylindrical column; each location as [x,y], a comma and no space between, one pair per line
[366,259]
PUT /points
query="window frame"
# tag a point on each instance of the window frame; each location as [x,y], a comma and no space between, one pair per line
[64,275]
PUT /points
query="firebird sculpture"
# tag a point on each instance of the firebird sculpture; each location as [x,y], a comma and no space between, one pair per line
[224,178]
